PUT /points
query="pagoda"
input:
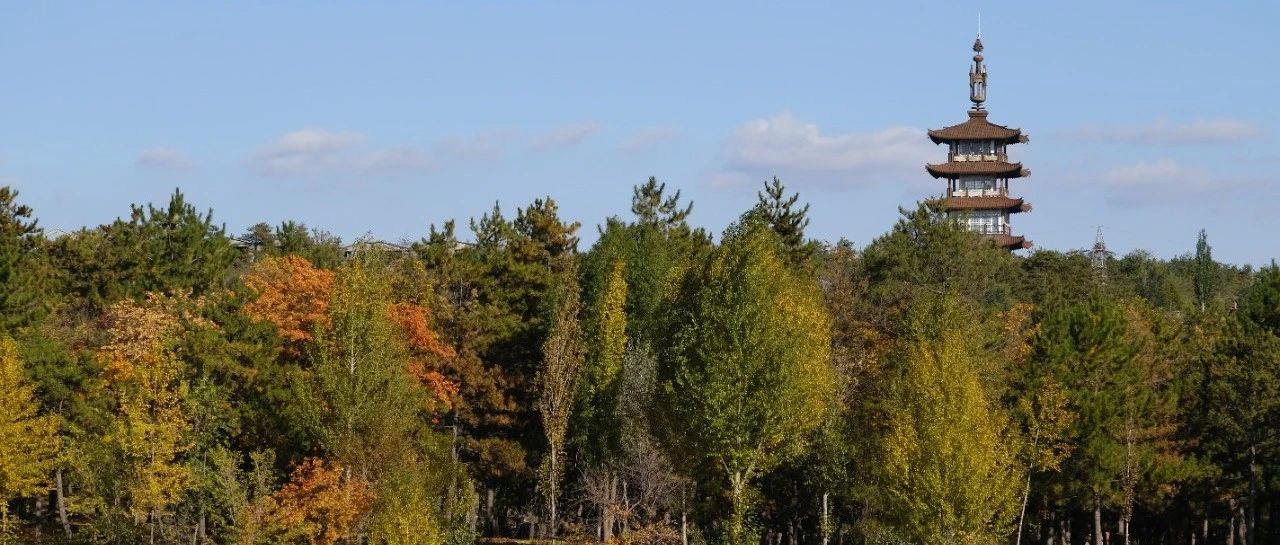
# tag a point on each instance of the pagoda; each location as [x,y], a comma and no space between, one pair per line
[978,168]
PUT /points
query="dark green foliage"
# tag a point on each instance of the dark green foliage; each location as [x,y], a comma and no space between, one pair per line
[926,251]
[322,249]
[1051,278]
[787,220]
[24,272]
[161,250]
[1205,271]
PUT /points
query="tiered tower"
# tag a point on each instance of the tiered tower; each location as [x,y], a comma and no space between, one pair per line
[978,168]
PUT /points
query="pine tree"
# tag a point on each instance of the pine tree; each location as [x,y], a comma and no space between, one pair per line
[24,274]
[652,206]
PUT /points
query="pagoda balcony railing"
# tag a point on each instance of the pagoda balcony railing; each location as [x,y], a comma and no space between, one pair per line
[997,192]
[990,229]
[976,157]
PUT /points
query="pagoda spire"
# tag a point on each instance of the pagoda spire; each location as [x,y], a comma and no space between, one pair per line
[978,73]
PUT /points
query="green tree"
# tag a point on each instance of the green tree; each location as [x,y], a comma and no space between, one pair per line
[157,250]
[786,219]
[1206,271]
[24,273]
[1104,360]
[1242,387]
[946,466]
[747,364]
[926,251]
[653,206]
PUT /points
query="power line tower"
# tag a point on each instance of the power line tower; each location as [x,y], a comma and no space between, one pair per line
[1098,255]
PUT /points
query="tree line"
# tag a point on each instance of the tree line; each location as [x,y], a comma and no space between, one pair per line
[166,382]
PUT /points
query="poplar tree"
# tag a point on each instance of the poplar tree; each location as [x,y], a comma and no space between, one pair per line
[946,468]
[563,356]
[747,365]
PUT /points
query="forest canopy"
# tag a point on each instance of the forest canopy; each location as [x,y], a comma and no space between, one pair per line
[165,380]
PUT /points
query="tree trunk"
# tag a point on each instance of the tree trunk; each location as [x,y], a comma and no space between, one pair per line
[551,496]
[684,516]
[607,517]
[626,509]
[1097,518]
[826,519]
[62,503]
[1026,495]
[737,482]
[488,512]
[1231,523]
[684,528]
[1251,515]
[1242,529]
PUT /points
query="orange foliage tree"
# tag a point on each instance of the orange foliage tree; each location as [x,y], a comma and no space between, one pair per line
[426,351]
[292,294]
[319,505]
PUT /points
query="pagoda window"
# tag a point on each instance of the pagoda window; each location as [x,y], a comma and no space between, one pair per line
[976,150]
[986,222]
[975,187]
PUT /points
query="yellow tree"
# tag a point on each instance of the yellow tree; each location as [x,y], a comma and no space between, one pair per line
[946,472]
[145,377]
[28,441]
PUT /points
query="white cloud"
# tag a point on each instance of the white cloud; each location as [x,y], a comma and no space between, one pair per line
[648,138]
[1161,131]
[399,159]
[1164,173]
[163,158]
[485,146]
[305,152]
[784,145]
[564,136]
[318,152]
[1170,182]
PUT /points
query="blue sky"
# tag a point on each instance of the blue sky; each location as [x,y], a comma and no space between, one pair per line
[1152,119]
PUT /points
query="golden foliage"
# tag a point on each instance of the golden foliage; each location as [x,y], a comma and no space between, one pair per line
[319,505]
[947,467]
[28,441]
[145,376]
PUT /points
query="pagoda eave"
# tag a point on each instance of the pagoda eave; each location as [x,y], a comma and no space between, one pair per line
[1009,204]
[956,169]
[1011,242]
[977,128]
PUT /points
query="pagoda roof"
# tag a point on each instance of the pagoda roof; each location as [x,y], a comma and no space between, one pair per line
[955,169]
[1011,242]
[994,202]
[977,128]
